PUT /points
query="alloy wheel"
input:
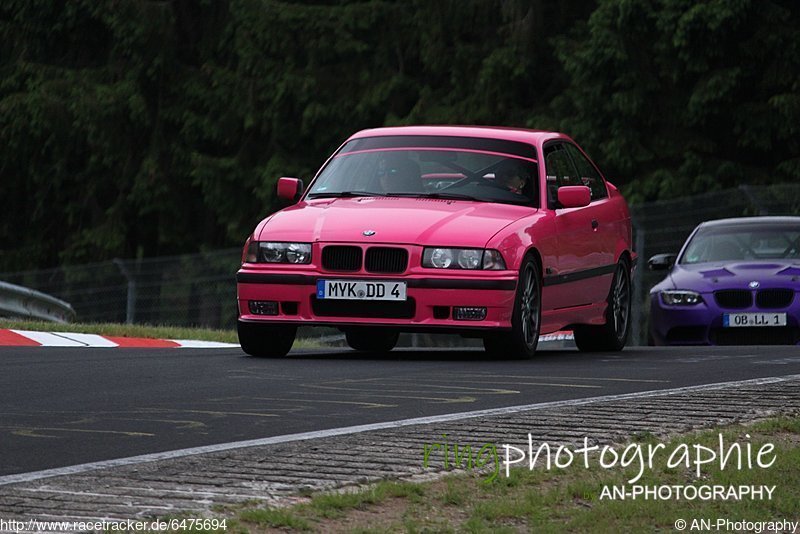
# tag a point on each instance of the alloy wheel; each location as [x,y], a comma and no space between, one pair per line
[529,306]
[621,303]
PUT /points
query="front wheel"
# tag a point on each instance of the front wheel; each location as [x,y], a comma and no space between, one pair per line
[266,341]
[526,318]
[613,335]
[372,339]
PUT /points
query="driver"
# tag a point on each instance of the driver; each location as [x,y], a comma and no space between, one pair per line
[511,175]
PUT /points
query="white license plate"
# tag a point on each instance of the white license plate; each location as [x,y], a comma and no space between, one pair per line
[731,320]
[360,290]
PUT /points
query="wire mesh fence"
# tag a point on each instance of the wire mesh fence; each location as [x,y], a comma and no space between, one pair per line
[188,290]
[200,289]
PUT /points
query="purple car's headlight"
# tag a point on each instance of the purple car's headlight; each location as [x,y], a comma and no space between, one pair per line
[462,258]
[681,298]
[269,252]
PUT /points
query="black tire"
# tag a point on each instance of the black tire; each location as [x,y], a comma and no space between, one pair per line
[612,336]
[526,319]
[266,341]
[372,339]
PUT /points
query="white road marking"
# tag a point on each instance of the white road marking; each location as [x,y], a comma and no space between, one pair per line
[46,339]
[318,434]
[194,344]
[781,361]
[89,340]
[75,339]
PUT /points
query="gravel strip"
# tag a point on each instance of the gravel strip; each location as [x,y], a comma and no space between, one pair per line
[274,474]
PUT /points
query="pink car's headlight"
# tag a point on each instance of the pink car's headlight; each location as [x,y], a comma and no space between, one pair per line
[462,258]
[269,252]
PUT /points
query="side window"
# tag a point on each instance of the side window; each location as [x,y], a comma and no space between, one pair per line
[559,171]
[587,174]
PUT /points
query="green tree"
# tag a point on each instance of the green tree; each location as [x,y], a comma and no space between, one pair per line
[141,128]
[679,97]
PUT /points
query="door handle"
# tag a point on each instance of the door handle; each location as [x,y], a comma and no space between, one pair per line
[595,224]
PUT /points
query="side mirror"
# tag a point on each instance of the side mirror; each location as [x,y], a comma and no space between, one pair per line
[661,262]
[574,196]
[289,190]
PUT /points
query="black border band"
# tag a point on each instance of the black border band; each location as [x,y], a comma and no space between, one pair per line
[514,148]
[266,278]
[426,283]
[578,275]
[431,283]
[438,283]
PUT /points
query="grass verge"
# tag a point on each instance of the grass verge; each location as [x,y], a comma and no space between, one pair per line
[140,330]
[559,500]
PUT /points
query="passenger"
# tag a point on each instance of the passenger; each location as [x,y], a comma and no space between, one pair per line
[398,174]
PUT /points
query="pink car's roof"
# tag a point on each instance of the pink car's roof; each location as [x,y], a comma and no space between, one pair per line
[491,132]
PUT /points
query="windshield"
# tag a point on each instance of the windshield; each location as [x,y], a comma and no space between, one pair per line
[740,242]
[429,172]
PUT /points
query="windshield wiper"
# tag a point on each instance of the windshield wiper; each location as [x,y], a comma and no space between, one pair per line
[345,194]
[445,196]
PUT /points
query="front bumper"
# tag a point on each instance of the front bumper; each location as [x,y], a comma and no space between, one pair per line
[429,304]
[701,324]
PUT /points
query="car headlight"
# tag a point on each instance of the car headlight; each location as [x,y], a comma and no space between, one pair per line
[681,298]
[462,258]
[271,252]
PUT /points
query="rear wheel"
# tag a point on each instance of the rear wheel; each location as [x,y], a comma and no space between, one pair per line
[372,339]
[613,335]
[526,319]
[266,341]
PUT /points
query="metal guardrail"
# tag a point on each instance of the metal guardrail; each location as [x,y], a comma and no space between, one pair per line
[22,303]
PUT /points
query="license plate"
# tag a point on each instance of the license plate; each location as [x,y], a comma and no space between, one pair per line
[731,320]
[360,290]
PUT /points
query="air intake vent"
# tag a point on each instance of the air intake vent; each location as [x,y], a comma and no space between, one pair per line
[344,259]
[734,298]
[774,299]
[366,309]
[386,260]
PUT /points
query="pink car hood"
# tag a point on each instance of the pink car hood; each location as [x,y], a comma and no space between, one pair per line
[394,220]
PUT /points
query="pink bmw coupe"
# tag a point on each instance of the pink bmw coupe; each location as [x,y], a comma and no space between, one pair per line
[496,233]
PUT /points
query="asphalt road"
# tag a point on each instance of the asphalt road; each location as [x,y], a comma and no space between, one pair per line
[61,407]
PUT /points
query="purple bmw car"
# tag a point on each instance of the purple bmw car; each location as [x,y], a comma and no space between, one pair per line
[735,282]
